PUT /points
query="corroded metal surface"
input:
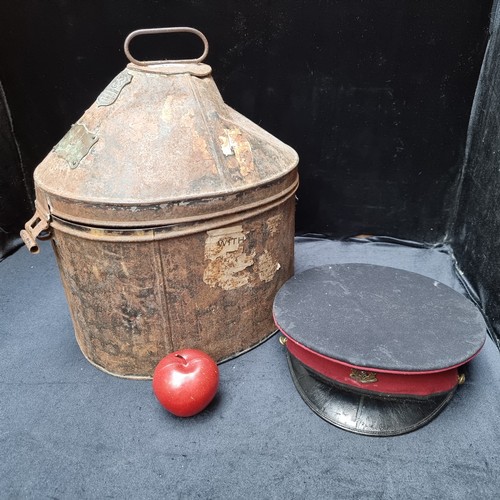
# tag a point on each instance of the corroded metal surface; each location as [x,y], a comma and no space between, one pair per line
[76,144]
[38,224]
[134,302]
[174,227]
[168,147]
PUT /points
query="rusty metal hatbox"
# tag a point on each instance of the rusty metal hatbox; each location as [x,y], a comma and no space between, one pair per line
[171,218]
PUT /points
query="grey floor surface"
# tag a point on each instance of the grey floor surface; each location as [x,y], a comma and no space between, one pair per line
[67,430]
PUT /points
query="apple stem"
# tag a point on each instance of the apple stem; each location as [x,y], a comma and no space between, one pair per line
[179,356]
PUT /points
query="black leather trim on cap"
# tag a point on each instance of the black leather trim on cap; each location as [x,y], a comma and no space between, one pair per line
[364,414]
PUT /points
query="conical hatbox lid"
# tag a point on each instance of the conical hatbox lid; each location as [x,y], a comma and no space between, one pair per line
[158,145]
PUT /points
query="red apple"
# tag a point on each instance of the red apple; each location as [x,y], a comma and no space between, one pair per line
[185,381]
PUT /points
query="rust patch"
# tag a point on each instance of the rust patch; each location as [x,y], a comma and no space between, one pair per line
[174,112]
[235,144]
[200,145]
[167,111]
[96,272]
[266,267]
[124,269]
[273,223]
[139,128]
[228,263]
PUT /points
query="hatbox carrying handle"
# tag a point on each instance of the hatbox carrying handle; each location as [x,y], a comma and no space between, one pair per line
[154,31]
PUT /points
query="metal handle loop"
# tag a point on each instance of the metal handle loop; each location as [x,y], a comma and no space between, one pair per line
[154,31]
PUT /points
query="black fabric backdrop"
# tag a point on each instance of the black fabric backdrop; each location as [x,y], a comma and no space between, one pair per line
[374,95]
[15,201]
[475,237]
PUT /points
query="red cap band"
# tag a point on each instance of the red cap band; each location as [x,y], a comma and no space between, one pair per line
[373,380]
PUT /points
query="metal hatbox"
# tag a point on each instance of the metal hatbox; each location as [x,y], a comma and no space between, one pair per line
[171,217]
